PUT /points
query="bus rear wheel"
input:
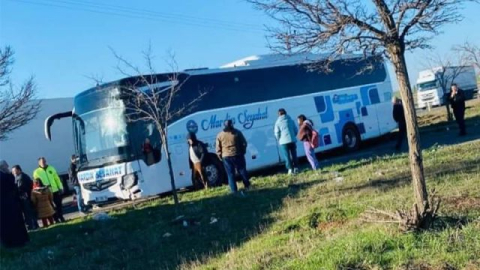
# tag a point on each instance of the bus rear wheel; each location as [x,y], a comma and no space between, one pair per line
[351,138]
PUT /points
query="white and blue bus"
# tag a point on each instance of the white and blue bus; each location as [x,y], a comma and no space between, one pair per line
[345,105]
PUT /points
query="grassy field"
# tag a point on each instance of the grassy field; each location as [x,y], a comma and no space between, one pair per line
[438,116]
[310,221]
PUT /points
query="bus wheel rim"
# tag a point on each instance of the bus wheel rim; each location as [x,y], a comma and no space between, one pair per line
[350,138]
[212,172]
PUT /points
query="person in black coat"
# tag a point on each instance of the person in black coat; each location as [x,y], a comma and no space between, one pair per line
[72,174]
[12,225]
[198,159]
[457,101]
[25,185]
[399,117]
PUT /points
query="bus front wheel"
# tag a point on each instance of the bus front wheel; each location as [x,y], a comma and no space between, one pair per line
[215,172]
[351,138]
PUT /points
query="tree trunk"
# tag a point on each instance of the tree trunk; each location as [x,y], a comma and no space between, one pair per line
[415,152]
[170,168]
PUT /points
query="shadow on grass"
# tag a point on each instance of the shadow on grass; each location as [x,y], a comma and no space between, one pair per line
[363,162]
[383,146]
[150,238]
[438,134]
[389,183]
[444,222]
[470,122]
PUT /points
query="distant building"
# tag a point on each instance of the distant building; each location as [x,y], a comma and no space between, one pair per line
[26,144]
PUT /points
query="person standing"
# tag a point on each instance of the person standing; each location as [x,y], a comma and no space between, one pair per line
[285,130]
[231,148]
[197,159]
[72,174]
[12,225]
[306,135]
[457,101]
[25,184]
[42,200]
[49,177]
[399,117]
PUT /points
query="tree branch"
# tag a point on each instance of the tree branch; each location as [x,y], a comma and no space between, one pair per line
[17,106]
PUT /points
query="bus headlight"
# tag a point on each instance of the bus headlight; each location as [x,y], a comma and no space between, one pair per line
[129,180]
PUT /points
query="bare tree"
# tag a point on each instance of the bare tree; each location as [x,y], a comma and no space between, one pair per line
[17,104]
[96,78]
[153,98]
[384,27]
[446,69]
[471,52]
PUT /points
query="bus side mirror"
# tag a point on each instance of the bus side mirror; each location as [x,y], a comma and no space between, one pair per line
[49,122]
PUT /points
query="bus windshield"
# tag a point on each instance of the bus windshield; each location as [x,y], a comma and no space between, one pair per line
[427,86]
[103,134]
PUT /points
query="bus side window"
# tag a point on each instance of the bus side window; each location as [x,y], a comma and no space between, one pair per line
[147,141]
[374,97]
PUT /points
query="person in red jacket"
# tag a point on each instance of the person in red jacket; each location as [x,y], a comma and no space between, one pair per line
[305,134]
[42,199]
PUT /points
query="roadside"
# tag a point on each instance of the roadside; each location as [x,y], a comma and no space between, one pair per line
[434,131]
[284,222]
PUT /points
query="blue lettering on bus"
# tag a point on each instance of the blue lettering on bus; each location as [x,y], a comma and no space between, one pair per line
[248,119]
[216,122]
[85,176]
[344,98]
[108,172]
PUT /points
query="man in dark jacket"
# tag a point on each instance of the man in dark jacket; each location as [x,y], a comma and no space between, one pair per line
[198,159]
[12,225]
[72,174]
[231,148]
[457,100]
[399,117]
[25,184]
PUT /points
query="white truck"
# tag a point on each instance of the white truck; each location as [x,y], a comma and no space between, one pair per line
[25,145]
[434,84]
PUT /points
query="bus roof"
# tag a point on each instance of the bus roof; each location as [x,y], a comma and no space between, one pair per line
[268,61]
[247,63]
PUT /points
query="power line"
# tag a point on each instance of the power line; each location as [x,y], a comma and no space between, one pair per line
[156,13]
[136,15]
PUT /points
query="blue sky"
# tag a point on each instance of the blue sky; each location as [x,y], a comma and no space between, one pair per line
[62,42]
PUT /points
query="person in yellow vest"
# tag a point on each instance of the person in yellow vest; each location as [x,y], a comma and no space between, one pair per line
[49,177]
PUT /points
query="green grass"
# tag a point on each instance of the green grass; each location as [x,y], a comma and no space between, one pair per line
[437,117]
[305,222]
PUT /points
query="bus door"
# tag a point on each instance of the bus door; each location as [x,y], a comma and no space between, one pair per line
[152,161]
[262,150]
[385,111]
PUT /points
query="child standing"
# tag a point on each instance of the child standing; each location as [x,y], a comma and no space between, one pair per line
[42,199]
